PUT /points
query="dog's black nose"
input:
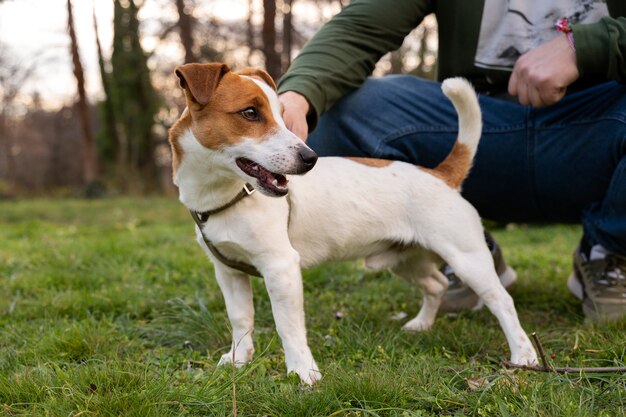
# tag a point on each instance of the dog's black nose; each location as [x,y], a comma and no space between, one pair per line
[308,157]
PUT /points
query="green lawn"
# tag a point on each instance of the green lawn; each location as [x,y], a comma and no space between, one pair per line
[109,308]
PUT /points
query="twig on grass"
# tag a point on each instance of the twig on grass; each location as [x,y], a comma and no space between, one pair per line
[567,369]
[234,374]
[234,371]
[545,367]
[542,354]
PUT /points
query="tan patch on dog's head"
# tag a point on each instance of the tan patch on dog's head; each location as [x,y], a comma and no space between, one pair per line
[219,100]
[371,162]
[259,74]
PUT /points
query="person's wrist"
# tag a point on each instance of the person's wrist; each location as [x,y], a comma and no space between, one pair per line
[563,26]
[568,61]
[570,39]
[295,100]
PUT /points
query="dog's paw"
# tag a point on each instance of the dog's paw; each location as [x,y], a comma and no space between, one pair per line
[416,325]
[309,374]
[227,359]
[242,357]
[526,356]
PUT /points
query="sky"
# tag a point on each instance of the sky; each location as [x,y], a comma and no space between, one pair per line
[36,31]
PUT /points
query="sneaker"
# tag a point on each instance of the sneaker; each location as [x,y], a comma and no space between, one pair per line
[599,280]
[459,296]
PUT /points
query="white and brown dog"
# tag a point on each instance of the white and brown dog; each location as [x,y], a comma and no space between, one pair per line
[395,215]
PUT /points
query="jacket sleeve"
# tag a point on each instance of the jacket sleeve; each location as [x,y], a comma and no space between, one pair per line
[601,48]
[344,52]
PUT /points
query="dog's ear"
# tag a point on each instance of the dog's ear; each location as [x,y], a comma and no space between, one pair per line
[200,80]
[258,73]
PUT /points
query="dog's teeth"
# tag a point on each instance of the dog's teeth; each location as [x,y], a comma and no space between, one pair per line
[275,182]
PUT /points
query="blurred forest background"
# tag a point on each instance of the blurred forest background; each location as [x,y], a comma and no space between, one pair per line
[115,142]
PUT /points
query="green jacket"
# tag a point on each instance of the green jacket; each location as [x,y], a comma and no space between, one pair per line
[344,52]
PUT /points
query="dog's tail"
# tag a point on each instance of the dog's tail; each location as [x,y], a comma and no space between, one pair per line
[454,169]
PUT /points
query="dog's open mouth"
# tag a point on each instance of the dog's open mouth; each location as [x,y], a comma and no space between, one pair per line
[272,183]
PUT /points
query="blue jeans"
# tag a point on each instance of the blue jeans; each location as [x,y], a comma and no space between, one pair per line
[564,163]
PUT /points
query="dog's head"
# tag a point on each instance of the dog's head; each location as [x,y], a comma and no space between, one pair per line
[236,118]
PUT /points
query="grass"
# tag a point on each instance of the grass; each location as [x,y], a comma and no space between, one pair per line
[109,308]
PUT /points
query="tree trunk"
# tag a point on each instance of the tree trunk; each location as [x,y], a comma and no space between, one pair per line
[89,152]
[287,33]
[6,142]
[135,101]
[250,38]
[185,28]
[272,58]
[109,110]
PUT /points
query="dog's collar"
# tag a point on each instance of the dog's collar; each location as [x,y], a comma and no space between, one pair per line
[201,217]
[245,191]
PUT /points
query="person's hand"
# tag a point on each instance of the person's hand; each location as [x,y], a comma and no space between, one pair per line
[295,109]
[542,75]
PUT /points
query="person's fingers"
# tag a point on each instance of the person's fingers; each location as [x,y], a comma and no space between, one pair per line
[541,76]
[534,97]
[522,93]
[295,109]
[296,123]
[555,95]
[513,83]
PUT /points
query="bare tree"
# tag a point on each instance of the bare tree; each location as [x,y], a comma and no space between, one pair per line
[90,156]
[272,58]
[287,33]
[109,111]
[13,75]
[8,92]
[250,37]
[135,101]
[185,28]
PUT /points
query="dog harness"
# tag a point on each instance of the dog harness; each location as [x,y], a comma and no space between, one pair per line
[201,217]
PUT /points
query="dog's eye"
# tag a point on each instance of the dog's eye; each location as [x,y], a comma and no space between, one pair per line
[250,114]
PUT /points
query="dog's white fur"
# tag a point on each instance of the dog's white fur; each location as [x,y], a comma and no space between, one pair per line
[395,216]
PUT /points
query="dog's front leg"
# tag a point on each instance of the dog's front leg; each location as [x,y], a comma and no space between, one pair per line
[237,294]
[283,280]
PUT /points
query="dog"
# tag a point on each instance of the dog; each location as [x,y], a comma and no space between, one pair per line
[231,141]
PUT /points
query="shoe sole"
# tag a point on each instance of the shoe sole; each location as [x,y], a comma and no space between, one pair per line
[600,313]
[596,313]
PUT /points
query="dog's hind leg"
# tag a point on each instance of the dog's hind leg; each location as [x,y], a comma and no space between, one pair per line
[476,269]
[431,282]
[237,292]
